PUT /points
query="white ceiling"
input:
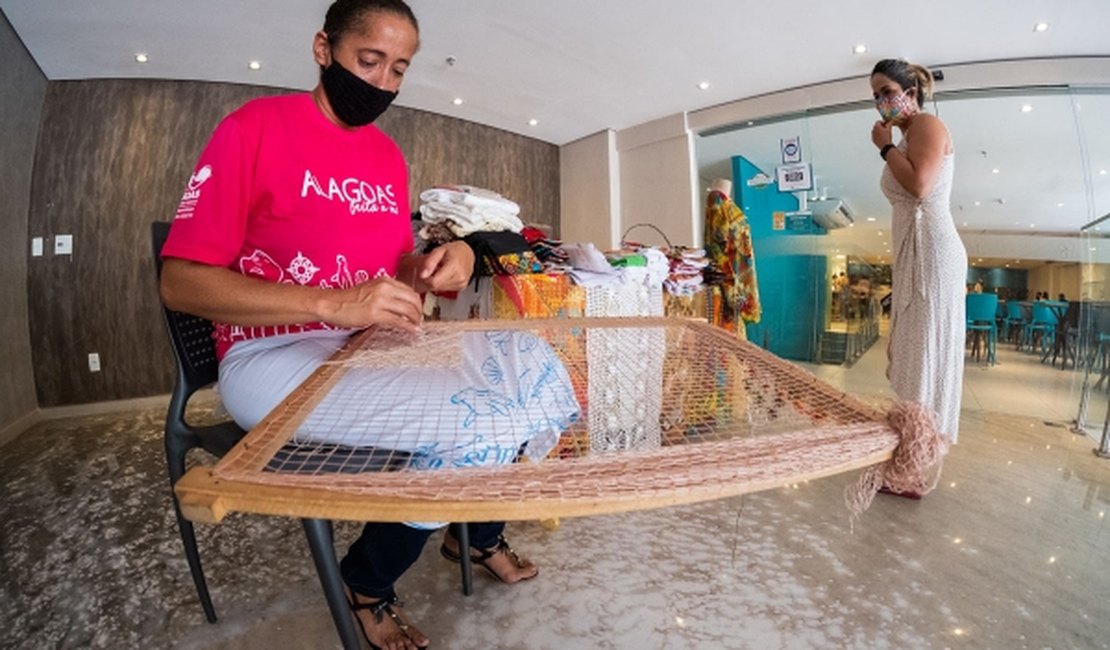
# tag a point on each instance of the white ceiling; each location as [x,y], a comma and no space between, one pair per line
[582,66]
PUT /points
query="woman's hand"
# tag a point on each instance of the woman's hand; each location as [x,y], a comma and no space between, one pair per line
[382,301]
[444,268]
[881,134]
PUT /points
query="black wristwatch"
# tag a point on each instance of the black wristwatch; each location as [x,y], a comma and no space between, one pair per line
[885,150]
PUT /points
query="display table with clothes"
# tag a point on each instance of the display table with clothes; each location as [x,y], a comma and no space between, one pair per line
[596,289]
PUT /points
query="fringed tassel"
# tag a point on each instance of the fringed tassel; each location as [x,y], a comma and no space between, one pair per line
[915,464]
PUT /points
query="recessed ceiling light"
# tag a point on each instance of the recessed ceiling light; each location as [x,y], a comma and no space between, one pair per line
[1059,205]
[860,49]
[704,85]
[978,203]
[1102,172]
[993,171]
[1040,27]
[533,122]
[141,57]
[872,219]
[1032,225]
[980,259]
[254,65]
[1026,108]
[456,101]
[879,232]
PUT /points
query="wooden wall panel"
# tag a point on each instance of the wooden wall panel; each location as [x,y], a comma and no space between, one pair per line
[114,156]
[442,150]
[22,90]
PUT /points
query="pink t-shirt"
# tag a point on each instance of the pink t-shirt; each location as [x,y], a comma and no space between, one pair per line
[282,194]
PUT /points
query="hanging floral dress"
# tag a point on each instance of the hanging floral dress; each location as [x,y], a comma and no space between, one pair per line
[728,244]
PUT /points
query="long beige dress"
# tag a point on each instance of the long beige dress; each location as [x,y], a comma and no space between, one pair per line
[928,324]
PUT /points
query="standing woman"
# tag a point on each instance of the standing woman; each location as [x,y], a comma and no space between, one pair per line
[294,231]
[928,325]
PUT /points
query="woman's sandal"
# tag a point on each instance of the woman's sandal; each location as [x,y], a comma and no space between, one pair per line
[378,608]
[481,557]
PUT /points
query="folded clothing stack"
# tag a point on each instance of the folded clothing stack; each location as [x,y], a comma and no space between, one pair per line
[465,209]
[547,249]
[687,266]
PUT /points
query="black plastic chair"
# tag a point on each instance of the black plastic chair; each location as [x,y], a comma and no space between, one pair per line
[195,353]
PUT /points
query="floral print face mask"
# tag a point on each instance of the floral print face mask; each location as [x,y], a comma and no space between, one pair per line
[898,106]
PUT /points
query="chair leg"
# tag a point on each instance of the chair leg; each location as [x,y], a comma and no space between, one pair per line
[319,533]
[192,556]
[464,559]
[175,460]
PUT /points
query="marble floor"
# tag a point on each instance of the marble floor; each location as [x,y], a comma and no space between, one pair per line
[1010,552]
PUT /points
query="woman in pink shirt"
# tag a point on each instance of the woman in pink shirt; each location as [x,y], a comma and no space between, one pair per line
[293,231]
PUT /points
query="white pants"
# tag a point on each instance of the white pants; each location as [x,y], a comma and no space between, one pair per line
[507,389]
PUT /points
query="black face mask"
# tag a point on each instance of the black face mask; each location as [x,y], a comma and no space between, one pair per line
[354,101]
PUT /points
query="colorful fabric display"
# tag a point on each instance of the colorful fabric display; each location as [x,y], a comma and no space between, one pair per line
[502,253]
[728,242]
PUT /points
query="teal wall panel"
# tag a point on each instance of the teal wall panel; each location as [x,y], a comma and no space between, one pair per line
[791,281]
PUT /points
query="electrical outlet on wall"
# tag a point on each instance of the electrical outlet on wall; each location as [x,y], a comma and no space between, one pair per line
[63,244]
[94,362]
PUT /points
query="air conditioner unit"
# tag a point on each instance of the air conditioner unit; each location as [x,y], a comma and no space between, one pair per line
[831,213]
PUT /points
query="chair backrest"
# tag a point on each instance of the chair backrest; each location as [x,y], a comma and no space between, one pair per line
[982,307]
[193,345]
[1013,310]
[1043,314]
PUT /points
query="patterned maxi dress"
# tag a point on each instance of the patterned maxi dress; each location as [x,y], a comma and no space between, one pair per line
[926,353]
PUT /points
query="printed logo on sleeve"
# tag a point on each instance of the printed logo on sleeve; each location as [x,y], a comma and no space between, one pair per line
[189,199]
[360,196]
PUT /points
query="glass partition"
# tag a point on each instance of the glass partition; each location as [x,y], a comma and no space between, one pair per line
[1032,167]
[1091,338]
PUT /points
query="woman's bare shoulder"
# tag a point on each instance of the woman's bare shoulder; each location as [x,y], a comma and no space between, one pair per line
[930,128]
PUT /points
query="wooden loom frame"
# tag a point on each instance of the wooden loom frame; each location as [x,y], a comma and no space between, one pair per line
[206,498]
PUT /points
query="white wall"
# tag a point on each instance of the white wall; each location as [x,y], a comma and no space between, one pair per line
[658,182]
[588,195]
[646,174]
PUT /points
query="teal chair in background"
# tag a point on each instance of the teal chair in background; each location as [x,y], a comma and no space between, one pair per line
[1014,323]
[1040,331]
[981,311]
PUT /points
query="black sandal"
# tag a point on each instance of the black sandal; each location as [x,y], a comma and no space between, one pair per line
[378,608]
[481,557]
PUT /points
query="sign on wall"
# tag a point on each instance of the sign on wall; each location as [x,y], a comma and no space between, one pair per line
[791,150]
[794,178]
